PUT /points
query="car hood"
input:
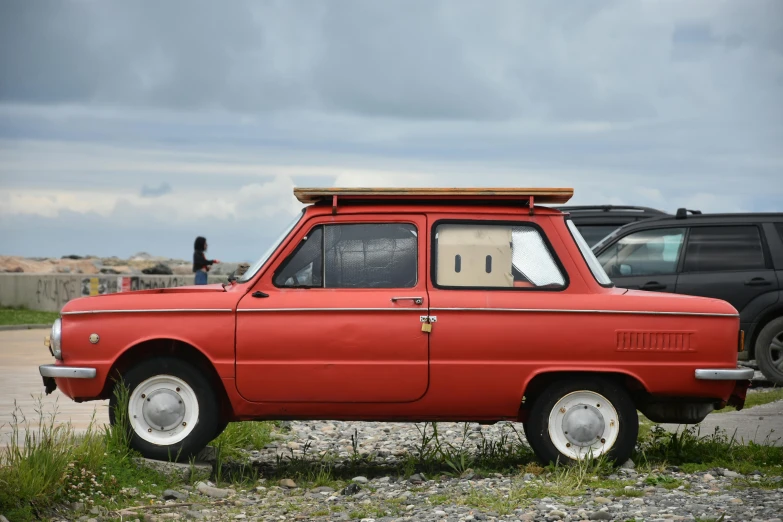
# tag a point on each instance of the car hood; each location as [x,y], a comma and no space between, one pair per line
[201,297]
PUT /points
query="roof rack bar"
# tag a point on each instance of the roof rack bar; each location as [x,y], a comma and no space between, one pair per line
[541,195]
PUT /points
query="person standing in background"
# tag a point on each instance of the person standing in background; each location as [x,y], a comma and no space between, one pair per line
[200,262]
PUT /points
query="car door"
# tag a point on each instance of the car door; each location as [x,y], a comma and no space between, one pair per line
[487,277]
[645,259]
[338,320]
[727,262]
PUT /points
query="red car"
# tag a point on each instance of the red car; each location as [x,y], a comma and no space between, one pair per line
[408,305]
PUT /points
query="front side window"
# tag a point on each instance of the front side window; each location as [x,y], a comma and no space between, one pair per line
[644,253]
[494,256]
[378,255]
[715,249]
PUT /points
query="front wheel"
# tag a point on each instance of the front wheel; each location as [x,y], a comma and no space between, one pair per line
[769,351]
[581,418]
[172,411]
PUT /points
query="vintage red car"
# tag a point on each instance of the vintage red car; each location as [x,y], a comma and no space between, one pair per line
[408,305]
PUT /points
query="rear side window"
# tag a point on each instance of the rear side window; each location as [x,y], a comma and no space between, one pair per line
[494,256]
[716,249]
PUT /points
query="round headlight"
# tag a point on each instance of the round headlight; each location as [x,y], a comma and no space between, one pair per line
[56,339]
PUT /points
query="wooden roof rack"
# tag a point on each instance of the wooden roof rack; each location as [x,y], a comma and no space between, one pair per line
[539,195]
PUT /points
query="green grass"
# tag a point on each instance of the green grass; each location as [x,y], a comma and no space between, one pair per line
[757,399]
[14,316]
[52,466]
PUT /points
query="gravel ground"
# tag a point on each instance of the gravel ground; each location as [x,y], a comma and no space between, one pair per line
[664,495]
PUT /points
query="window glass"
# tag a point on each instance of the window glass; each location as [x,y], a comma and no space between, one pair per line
[590,259]
[354,256]
[494,256]
[647,252]
[712,249]
[595,233]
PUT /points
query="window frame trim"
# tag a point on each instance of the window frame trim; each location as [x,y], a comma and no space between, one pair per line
[498,222]
[765,251]
[323,224]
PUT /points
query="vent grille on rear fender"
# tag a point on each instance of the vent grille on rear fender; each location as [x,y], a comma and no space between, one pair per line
[633,341]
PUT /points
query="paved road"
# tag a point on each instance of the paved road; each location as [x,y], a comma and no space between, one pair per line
[21,351]
[762,424]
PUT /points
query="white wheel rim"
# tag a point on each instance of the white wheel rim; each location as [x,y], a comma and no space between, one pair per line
[163,410]
[582,424]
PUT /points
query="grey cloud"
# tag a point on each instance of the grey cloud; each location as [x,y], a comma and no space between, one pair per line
[154,192]
[607,61]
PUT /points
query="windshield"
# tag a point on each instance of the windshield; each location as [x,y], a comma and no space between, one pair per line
[258,264]
[592,262]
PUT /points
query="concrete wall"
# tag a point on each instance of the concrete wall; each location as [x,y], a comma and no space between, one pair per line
[49,292]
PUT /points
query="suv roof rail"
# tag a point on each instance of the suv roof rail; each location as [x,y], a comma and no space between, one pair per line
[683,212]
[609,208]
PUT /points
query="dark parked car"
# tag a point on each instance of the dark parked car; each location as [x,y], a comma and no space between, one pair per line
[734,257]
[598,221]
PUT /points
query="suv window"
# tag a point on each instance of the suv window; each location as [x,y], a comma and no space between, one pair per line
[379,255]
[494,256]
[595,233]
[647,252]
[712,249]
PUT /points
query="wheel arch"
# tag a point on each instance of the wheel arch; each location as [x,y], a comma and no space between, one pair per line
[171,348]
[767,317]
[543,379]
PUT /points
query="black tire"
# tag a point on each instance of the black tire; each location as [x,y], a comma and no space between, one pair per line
[608,393]
[221,427]
[199,394]
[769,350]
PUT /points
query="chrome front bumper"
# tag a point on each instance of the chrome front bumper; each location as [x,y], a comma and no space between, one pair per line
[66,372]
[720,374]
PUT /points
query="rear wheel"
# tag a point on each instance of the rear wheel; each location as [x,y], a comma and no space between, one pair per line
[769,351]
[172,411]
[581,418]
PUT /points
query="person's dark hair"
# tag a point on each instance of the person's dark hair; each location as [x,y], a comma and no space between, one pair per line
[200,244]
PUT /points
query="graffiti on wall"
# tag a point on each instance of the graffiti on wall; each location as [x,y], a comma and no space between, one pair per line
[113,284]
[52,291]
[55,290]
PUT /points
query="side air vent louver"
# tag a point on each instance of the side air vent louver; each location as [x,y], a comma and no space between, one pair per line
[635,341]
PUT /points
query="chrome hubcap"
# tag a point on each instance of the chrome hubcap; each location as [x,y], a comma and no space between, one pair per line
[583,425]
[163,409]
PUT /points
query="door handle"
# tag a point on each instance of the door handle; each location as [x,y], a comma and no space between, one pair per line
[653,285]
[259,294]
[416,300]
[757,281]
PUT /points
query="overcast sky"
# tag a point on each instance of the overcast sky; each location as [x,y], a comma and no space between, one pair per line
[135,126]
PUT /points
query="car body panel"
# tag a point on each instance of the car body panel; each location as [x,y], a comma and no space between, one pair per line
[322,353]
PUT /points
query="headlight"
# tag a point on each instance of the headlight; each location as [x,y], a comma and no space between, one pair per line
[56,339]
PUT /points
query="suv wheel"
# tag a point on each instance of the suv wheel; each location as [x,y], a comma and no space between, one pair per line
[582,418]
[769,351]
[172,411]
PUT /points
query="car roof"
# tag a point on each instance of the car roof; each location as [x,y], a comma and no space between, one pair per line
[684,219]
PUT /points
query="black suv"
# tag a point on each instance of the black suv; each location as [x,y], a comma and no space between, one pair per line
[598,221]
[734,257]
